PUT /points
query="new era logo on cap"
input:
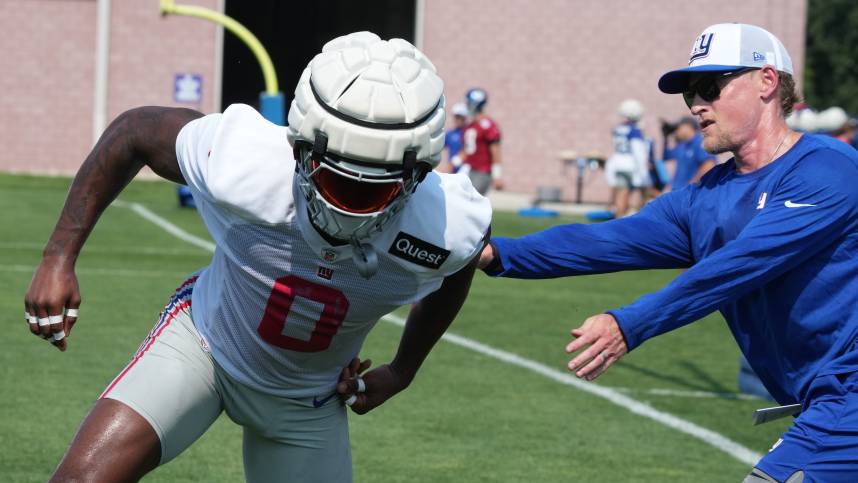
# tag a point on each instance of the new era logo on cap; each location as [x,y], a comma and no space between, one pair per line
[727,47]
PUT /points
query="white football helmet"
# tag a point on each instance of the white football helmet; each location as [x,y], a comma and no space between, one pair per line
[631,109]
[366,124]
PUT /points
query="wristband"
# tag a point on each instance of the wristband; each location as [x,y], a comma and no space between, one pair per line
[497,171]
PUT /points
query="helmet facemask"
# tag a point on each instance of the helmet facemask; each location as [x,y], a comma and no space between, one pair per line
[351,199]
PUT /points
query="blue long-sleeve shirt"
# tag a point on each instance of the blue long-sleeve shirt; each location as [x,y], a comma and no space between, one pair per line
[775,250]
[689,156]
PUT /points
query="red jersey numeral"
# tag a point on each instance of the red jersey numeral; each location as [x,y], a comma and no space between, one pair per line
[335,306]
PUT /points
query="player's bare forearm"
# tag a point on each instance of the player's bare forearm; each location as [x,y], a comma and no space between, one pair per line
[140,137]
[429,319]
[495,150]
[144,136]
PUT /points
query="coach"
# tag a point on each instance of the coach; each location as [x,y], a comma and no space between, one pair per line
[770,238]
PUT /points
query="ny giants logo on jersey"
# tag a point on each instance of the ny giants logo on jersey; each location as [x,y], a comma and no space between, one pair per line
[329,255]
[418,251]
[701,47]
[326,273]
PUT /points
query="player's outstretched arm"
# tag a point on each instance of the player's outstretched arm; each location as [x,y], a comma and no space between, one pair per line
[144,136]
[427,321]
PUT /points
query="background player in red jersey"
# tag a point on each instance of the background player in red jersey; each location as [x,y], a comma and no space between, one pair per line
[482,144]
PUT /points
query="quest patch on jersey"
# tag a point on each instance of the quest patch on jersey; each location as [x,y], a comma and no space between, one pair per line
[418,251]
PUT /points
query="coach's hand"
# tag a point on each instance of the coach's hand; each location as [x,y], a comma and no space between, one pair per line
[52,302]
[379,385]
[603,344]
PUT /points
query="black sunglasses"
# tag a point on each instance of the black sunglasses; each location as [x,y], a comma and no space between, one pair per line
[708,87]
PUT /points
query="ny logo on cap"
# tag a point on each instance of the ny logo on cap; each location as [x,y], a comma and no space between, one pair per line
[701,47]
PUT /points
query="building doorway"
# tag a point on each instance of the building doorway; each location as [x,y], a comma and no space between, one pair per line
[293,32]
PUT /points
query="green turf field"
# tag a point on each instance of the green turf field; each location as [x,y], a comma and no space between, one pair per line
[468,417]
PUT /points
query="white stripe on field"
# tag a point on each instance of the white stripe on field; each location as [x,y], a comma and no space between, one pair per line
[94,249]
[120,272]
[688,393]
[166,225]
[732,448]
[718,441]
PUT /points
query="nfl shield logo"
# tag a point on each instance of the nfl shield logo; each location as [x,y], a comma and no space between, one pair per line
[329,255]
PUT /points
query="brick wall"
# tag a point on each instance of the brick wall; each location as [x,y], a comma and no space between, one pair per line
[46,83]
[556,70]
[47,71]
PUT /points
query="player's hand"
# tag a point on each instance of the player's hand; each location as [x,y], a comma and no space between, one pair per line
[603,344]
[379,385]
[487,256]
[52,301]
[497,184]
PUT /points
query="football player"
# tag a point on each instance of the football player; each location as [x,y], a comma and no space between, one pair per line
[481,144]
[322,227]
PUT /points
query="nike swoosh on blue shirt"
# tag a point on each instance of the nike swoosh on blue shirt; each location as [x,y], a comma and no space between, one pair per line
[317,403]
[790,204]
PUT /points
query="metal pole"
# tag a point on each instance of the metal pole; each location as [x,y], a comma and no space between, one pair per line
[271,101]
[102,66]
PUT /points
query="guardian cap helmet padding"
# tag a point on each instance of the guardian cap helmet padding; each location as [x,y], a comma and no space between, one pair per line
[366,124]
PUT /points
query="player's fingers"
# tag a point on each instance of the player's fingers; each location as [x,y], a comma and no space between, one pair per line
[585,357]
[364,366]
[61,344]
[44,322]
[32,320]
[56,326]
[600,364]
[71,315]
[354,365]
[359,403]
[582,339]
[347,387]
[345,374]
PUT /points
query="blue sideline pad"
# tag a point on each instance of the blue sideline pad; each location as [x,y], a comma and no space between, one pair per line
[537,212]
[600,215]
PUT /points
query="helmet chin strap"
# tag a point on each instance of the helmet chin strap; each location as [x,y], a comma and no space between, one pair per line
[364,257]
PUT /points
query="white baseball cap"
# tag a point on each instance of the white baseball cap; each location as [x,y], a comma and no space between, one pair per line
[460,109]
[727,47]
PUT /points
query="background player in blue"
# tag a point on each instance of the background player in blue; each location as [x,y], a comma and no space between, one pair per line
[769,239]
[692,161]
[453,137]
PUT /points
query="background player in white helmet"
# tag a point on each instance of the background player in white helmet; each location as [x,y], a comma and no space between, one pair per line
[318,237]
[628,167]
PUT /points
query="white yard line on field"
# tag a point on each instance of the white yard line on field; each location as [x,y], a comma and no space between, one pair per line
[688,393]
[166,225]
[732,448]
[98,250]
[716,440]
[119,272]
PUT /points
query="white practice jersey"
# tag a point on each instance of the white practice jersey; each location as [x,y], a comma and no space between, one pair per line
[631,156]
[282,310]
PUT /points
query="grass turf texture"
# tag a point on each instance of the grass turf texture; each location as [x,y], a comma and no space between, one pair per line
[466,417]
